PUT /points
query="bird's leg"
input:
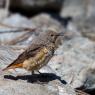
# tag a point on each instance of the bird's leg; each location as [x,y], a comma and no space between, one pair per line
[32,72]
[39,72]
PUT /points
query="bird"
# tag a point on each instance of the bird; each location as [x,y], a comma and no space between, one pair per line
[39,52]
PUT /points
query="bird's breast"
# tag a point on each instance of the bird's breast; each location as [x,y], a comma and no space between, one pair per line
[36,62]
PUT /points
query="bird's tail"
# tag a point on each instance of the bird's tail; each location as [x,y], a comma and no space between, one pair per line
[13,66]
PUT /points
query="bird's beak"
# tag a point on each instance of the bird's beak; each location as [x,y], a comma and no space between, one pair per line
[60,34]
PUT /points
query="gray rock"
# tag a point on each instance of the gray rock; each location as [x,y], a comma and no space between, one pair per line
[11,87]
[14,22]
[71,58]
[44,21]
[4,6]
[8,54]
[79,92]
[10,25]
[17,20]
[73,8]
[85,26]
[78,8]
[90,9]
[71,62]
[22,85]
[88,76]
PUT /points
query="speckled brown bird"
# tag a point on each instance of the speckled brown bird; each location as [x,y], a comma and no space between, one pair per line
[39,53]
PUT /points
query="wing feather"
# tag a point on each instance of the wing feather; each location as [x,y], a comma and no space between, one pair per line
[30,52]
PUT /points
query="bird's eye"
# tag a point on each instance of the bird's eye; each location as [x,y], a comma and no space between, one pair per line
[51,34]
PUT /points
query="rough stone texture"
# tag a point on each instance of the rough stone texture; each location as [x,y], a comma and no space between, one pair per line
[70,64]
[40,23]
[85,26]
[19,81]
[78,8]
[73,56]
[4,5]
[90,9]
[44,21]
[87,74]
[87,30]
[13,23]
[19,87]
[73,8]
[27,84]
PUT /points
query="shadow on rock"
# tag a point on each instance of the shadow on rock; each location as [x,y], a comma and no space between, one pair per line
[63,20]
[45,77]
[89,91]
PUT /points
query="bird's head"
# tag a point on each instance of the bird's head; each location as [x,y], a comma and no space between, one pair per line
[53,35]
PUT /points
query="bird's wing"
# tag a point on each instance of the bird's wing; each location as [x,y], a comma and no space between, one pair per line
[30,52]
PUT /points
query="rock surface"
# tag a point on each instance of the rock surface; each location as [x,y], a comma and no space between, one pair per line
[71,67]
[74,8]
[52,88]
[20,81]
[4,5]
[78,8]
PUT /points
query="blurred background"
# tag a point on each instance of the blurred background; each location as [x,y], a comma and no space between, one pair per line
[74,60]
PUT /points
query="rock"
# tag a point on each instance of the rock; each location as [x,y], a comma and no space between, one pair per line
[71,64]
[4,14]
[79,92]
[44,21]
[67,64]
[17,20]
[78,9]
[39,23]
[89,78]
[4,5]
[9,27]
[10,53]
[71,58]
[90,9]
[85,26]
[74,8]
[20,87]
[75,53]
[26,83]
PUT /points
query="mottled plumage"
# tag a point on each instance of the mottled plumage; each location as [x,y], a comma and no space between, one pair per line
[38,54]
